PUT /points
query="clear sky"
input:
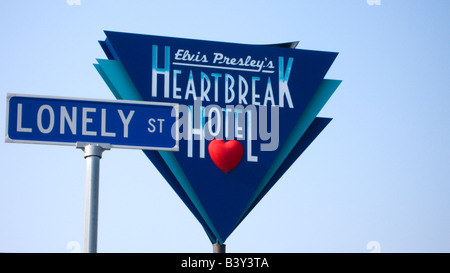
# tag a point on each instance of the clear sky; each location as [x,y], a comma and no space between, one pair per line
[377,178]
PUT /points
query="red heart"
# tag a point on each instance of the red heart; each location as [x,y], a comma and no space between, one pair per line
[226,155]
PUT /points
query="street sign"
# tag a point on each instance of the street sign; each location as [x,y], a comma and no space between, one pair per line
[68,121]
[247,112]
[93,126]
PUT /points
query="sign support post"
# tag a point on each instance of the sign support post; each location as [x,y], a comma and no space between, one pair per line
[218,248]
[92,154]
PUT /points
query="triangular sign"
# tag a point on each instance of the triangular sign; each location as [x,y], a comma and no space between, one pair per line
[247,112]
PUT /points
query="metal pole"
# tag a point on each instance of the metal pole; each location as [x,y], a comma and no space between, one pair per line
[92,154]
[218,248]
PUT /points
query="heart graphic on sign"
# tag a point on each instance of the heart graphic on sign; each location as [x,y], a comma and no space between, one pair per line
[226,155]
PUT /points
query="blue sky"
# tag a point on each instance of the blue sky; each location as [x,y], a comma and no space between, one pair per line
[378,173]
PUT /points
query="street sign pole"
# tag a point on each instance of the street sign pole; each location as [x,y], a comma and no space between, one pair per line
[92,154]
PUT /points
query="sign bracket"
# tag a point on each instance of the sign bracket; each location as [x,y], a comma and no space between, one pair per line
[92,153]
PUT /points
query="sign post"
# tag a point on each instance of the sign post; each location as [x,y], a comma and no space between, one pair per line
[93,154]
[219,248]
[93,126]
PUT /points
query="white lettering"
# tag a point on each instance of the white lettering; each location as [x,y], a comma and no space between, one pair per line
[151,123]
[51,121]
[125,121]
[254,95]
[72,122]
[196,125]
[160,71]
[19,120]
[216,86]
[250,157]
[204,91]
[269,94]
[176,89]
[283,82]
[242,91]
[161,120]
[229,84]
[190,89]
[214,121]
[85,120]
[103,125]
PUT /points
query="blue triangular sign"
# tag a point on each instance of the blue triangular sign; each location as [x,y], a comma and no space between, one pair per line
[247,112]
